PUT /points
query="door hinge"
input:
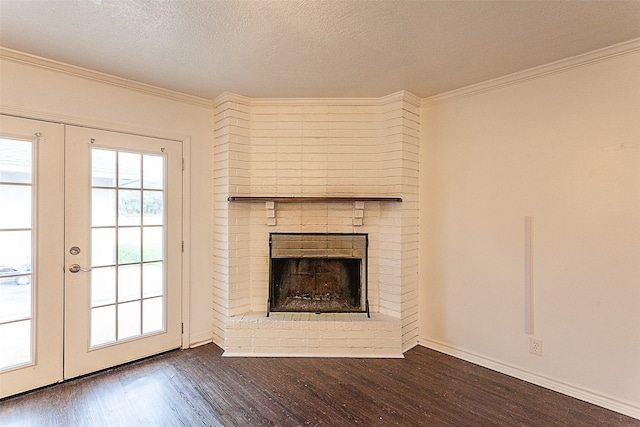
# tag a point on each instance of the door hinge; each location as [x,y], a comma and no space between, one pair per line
[183,246]
[183,328]
[183,164]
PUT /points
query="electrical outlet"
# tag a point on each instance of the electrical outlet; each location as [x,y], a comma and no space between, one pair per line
[535,346]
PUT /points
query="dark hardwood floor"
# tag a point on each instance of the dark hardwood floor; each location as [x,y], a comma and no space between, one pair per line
[198,387]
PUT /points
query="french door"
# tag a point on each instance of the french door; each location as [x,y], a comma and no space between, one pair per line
[123,246]
[31,259]
[104,275]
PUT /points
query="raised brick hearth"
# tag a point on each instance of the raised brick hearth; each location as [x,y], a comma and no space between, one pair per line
[313,335]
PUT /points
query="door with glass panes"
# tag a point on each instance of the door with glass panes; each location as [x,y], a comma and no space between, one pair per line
[31,259]
[90,250]
[123,248]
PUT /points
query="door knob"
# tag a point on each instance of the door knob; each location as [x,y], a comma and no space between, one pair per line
[74,268]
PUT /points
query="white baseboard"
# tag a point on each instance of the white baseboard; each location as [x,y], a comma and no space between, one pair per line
[617,405]
[196,340]
[319,354]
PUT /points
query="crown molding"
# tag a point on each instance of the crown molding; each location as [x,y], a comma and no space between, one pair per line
[84,73]
[402,95]
[316,101]
[231,97]
[560,66]
[373,101]
[593,57]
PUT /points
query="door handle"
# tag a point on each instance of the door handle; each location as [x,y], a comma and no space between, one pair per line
[75,268]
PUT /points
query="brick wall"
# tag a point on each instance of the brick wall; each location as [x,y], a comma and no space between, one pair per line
[315,147]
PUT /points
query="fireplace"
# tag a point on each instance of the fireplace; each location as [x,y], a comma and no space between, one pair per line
[286,165]
[318,273]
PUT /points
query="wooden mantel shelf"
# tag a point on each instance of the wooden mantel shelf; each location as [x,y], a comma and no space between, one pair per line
[307,199]
[270,203]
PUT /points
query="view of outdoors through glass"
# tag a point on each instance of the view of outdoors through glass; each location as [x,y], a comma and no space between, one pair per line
[127,249]
[16,295]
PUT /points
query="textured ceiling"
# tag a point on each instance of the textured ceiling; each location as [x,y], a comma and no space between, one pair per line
[332,48]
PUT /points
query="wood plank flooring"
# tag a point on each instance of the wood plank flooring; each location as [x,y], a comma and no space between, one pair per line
[198,387]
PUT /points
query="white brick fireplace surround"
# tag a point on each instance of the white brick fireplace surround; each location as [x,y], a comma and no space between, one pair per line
[316,148]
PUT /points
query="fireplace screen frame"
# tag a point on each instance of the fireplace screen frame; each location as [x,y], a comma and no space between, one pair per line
[359,250]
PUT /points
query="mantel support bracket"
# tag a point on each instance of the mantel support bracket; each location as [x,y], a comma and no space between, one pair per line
[358,213]
[270,207]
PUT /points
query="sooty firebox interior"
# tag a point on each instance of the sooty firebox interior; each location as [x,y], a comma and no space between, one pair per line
[318,273]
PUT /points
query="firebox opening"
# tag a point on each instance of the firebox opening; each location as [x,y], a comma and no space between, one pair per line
[318,273]
[316,284]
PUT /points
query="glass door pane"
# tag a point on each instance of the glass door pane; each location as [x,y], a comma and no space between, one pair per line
[16,295]
[127,229]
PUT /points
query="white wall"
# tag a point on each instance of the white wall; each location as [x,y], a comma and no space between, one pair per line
[39,92]
[565,149]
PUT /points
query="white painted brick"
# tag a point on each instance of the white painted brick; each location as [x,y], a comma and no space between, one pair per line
[351,150]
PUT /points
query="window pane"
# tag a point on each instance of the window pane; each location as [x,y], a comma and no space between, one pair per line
[129,207]
[128,245]
[152,315]
[103,325]
[128,282]
[15,251]
[103,168]
[153,172]
[103,207]
[103,246]
[15,161]
[103,286]
[129,170]
[152,280]
[128,320]
[153,247]
[16,344]
[15,299]
[16,206]
[153,208]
